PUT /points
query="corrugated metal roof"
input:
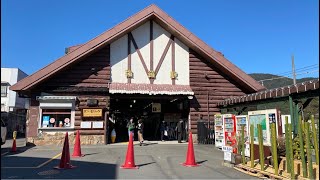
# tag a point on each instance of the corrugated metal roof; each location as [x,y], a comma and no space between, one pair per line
[56,97]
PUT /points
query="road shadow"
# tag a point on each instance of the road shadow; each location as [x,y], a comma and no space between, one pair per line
[19,167]
[140,165]
[8,150]
[200,162]
[147,144]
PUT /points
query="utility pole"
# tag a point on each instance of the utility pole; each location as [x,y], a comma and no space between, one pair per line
[293,71]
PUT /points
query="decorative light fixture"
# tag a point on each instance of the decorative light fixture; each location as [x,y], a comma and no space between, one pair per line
[134,101]
[190,97]
[130,105]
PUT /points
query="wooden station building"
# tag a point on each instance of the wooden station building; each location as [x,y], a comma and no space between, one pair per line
[148,66]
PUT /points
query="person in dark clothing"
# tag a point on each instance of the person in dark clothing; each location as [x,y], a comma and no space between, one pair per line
[162,129]
[140,131]
[180,128]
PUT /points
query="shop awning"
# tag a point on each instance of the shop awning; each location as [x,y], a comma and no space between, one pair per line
[151,89]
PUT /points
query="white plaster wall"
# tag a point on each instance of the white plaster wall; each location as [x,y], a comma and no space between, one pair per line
[142,38]
[119,59]
[182,63]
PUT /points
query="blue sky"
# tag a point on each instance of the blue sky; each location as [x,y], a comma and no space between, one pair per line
[257,36]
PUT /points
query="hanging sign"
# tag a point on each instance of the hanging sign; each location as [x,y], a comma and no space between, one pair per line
[92,113]
[156,107]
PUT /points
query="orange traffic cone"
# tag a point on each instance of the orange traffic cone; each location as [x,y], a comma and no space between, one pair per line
[190,161]
[65,157]
[77,146]
[129,163]
[14,146]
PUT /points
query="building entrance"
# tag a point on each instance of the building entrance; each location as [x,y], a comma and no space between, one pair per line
[152,110]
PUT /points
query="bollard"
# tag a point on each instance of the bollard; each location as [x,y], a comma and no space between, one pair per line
[260,139]
[315,139]
[303,160]
[243,145]
[310,168]
[274,148]
[251,146]
[291,152]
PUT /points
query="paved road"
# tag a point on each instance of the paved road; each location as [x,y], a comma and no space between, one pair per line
[155,161]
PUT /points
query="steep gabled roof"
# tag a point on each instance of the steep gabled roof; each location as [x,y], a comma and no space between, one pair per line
[156,14]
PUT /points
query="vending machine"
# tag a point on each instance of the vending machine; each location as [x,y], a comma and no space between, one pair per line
[229,122]
[218,129]
[242,120]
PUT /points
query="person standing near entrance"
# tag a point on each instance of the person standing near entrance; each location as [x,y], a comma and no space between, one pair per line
[162,129]
[130,127]
[140,131]
[180,128]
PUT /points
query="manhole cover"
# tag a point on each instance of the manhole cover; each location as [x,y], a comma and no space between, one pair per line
[49,172]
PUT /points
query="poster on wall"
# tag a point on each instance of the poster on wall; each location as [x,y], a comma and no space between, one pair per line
[45,121]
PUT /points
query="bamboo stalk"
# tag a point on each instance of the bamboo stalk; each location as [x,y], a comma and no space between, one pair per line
[287,144]
[243,145]
[251,146]
[302,155]
[315,139]
[274,148]
[260,138]
[291,152]
[310,168]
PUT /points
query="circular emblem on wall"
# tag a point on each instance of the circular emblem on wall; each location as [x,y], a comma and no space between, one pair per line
[66,120]
[52,120]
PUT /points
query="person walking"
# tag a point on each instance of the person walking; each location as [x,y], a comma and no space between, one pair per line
[130,127]
[162,129]
[180,128]
[140,131]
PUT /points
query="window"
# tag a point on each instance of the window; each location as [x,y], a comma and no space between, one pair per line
[56,112]
[56,118]
[4,90]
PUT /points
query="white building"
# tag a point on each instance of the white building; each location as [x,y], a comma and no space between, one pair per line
[13,108]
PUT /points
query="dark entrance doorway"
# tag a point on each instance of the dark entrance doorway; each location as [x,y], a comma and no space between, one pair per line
[151,109]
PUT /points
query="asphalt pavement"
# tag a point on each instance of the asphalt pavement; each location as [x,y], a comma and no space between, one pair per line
[156,160]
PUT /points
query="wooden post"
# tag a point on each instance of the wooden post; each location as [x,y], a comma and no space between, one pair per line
[251,145]
[303,160]
[287,144]
[242,145]
[260,138]
[310,168]
[315,139]
[291,152]
[274,148]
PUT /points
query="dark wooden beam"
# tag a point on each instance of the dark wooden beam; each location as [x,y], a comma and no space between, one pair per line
[163,55]
[173,60]
[139,53]
[151,50]
[129,56]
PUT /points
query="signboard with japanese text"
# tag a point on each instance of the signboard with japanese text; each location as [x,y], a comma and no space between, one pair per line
[91,112]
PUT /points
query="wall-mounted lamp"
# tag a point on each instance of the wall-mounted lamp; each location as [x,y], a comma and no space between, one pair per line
[190,97]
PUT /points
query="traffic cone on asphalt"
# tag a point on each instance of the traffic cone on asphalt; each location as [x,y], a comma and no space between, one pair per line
[190,161]
[14,146]
[77,146]
[65,157]
[129,162]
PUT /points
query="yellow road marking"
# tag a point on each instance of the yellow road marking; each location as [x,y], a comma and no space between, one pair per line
[49,160]
[4,153]
[36,166]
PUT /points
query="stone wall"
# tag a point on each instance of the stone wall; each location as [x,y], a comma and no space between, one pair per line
[58,139]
